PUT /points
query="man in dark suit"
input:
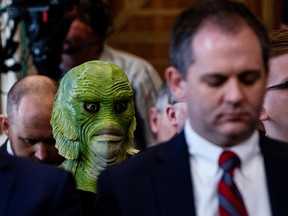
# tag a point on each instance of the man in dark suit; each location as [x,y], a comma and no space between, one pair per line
[219,52]
[33,189]
[27,124]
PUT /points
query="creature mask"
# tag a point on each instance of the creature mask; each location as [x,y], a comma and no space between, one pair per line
[93,120]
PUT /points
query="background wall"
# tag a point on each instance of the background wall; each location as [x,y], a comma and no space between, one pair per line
[143,26]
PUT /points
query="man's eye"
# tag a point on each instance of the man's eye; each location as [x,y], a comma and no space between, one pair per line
[91,107]
[215,81]
[29,141]
[249,78]
[50,142]
[120,107]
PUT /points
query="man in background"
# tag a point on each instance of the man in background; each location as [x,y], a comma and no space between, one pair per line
[168,116]
[85,41]
[27,124]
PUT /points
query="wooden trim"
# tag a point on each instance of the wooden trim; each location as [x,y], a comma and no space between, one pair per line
[158,12]
[127,12]
[268,14]
[278,13]
[140,38]
[160,62]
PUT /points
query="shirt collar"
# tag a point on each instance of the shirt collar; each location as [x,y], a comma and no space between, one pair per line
[9,148]
[206,154]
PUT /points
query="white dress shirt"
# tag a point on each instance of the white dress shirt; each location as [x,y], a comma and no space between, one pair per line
[9,148]
[250,178]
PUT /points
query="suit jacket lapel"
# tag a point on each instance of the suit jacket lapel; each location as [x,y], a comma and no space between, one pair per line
[7,182]
[276,166]
[172,179]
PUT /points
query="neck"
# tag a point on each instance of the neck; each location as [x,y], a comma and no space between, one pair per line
[86,171]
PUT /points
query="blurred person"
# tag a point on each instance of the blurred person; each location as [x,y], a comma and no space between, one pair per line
[85,41]
[274,114]
[168,116]
[27,124]
[220,164]
[33,189]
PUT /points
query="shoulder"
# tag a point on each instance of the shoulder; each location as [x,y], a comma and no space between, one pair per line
[139,71]
[137,175]
[128,57]
[146,160]
[39,174]
[267,142]
[127,61]
[51,189]
[272,148]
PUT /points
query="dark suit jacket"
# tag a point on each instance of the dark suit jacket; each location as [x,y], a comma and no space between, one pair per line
[158,181]
[3,148]
[33,189]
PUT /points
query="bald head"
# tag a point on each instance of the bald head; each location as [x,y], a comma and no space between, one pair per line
[36,86]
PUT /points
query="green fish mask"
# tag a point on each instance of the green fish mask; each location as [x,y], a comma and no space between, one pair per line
[93,120]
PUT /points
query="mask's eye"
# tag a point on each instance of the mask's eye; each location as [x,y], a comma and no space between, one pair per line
[120,107]
[92,107]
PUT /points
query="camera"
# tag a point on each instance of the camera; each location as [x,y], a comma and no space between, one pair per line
[46,26]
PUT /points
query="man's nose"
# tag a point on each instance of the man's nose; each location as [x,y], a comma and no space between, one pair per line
[41,151]
[234,93]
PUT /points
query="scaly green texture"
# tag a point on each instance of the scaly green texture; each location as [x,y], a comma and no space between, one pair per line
[93,120]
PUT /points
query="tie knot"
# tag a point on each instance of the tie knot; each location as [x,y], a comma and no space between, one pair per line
[229,161]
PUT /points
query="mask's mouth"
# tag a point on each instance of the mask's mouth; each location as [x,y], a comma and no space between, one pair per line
[111,138]
[107,145]
[109,132]
[108,150]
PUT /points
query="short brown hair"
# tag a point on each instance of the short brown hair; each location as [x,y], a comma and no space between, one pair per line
[279,42]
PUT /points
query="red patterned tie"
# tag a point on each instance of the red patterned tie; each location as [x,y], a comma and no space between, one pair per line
[230,200]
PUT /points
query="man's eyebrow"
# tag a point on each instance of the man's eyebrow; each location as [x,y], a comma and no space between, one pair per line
[214,75]
[251,71]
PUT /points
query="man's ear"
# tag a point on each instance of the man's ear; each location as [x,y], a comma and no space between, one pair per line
[153,118]
[171,114]
[176,83]
[4,124]
[263,115]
